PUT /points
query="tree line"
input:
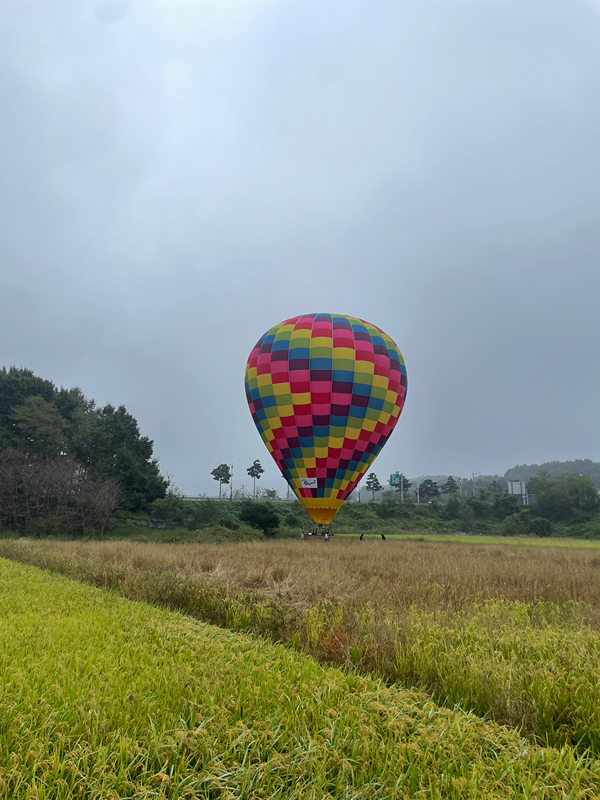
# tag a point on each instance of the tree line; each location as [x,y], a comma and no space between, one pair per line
[568,497]
[223,474]
[65,463]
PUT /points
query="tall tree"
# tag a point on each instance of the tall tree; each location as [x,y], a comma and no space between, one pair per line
[450,487]
[428,488]
[39,428]
[38,418]
[16,385]
[561,498]
[127,457]
[222,473]
[255,471]
[372,484]
[89,442]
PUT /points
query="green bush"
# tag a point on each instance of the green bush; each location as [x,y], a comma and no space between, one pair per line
[261,516]
[571,497]
[505,506]
[480,509]
[421,510]
[393,508]
[515,525]
[539,526]
[453,507]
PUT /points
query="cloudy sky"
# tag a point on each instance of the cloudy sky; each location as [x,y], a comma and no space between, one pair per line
[177,176]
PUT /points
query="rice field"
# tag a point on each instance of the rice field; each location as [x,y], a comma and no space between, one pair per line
[102,697]
[398,575]
[509,633]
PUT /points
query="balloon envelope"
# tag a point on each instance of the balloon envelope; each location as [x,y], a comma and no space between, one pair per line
[325,392]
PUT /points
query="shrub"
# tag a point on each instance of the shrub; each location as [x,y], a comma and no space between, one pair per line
[505,506]
[363,516]
[391,507]
[230,524]
[515,525]
[539,526]
[421,510]
[453,507]
[535,525]
[479,508]
[261,516]
[466,516]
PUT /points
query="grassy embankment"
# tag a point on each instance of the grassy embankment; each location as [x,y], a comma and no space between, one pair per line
[510,632]
[104,698]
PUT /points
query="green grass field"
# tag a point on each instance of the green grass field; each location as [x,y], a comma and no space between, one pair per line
[106,698]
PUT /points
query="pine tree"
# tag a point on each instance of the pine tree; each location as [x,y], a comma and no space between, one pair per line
[372,484]
[222,474]
[255,471]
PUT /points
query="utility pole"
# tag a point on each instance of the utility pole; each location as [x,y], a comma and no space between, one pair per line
[401,487]
[473,476]
[418,498]
[231,483]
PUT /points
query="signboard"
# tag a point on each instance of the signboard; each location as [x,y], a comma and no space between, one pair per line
[395,479]
[309,483]
[517,487]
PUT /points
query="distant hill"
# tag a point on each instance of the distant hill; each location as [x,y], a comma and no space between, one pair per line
[521,472]
[524,472]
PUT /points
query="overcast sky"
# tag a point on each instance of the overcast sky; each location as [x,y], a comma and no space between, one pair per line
[177,176]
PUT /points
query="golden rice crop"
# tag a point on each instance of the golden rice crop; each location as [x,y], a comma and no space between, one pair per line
[395,574]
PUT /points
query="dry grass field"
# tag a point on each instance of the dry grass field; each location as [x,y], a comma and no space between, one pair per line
[395,575]
[510,632]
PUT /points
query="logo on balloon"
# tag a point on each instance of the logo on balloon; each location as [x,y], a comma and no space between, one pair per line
[325,392]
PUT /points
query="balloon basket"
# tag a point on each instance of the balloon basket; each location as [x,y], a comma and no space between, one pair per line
[320,533]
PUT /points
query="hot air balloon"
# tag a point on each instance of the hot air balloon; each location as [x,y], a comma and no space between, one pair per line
[325,392]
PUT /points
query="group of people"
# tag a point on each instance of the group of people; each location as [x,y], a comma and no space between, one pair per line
[327,535]
[316,532]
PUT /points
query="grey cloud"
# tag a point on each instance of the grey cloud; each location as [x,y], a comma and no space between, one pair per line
[175,183]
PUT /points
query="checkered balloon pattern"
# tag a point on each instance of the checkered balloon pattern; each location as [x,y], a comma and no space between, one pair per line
[325,392]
